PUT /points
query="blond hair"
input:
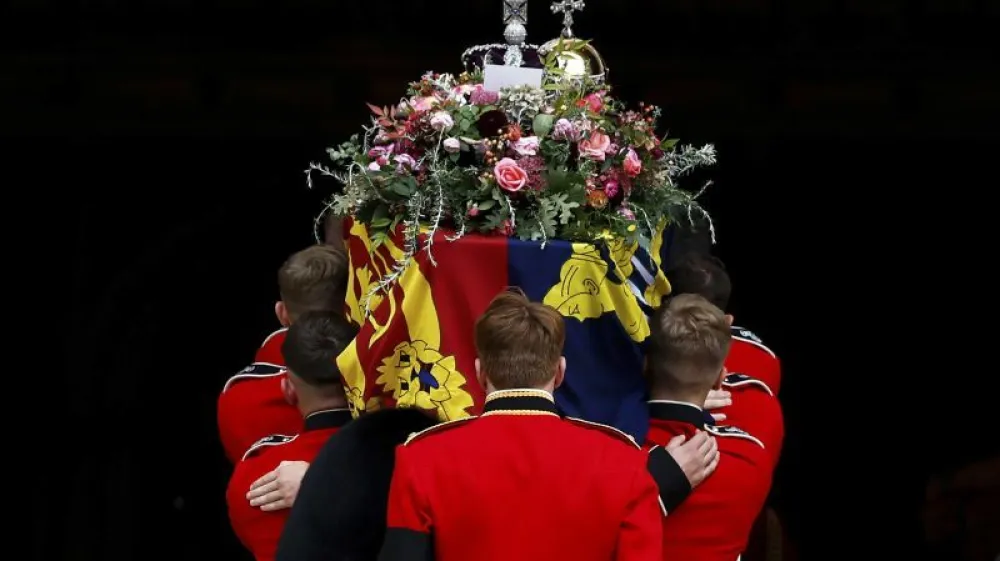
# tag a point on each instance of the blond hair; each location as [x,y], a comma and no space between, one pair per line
[688,345]
[313,280]
[519,342]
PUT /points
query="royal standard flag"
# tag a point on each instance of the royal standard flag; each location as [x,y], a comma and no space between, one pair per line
[415,346]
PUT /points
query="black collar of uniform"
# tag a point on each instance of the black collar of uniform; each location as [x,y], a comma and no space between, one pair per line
[664,410]
[327,419]
[527,401]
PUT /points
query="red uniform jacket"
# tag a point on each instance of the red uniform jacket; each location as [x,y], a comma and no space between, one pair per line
[749,355]
[714,522]
[756,410]
[259,530]
[270,349]
[252,404]
[520,483]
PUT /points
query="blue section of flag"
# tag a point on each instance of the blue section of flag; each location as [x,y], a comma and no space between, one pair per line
[604,381]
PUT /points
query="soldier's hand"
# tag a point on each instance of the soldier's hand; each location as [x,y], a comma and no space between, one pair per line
[278,489]
[717,399]
[697,458]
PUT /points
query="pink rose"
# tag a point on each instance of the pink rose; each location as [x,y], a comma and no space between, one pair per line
[405,160]
[510,176]
[596,146]
[632,164]
[526,145]
[595,101]
[452,145]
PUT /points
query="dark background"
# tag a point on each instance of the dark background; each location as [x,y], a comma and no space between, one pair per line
[165,141]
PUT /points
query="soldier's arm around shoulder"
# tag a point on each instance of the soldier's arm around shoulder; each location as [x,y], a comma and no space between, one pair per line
[640,537]
[408,534]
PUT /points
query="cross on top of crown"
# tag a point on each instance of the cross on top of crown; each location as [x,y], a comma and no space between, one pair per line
[515,11]
[567,7]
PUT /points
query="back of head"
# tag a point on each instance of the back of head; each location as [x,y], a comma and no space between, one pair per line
[314,280]
[701,274]
[519,342]
[687,347]
[312,345]
[340,512]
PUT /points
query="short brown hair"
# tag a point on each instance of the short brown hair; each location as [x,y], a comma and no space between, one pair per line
[314,280]
[688,345]
[519,342]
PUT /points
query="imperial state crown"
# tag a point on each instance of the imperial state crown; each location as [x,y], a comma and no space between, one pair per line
[574,57]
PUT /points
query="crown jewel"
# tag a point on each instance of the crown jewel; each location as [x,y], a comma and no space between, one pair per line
[567,7]
[514,52]
[575,58]
[515,15]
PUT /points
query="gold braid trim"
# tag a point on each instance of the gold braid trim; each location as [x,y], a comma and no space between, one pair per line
[518,412]
[500,394]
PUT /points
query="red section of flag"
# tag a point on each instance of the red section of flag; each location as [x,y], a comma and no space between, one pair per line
[470,273]
[415,347]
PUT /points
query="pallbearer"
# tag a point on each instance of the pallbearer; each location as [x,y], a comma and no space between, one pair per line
[252,404]
[519,482]
[313,386]
[705,275]
[688,345]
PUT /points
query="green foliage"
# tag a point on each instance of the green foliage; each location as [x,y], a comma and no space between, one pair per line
[398,174]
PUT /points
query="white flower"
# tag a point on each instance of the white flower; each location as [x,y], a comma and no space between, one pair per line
[452,145]
[374,166]
[442,121]
[526,145]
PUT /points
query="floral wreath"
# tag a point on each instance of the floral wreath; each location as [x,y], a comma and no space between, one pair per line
[565,161]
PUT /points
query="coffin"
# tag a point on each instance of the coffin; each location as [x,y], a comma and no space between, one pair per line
[417,310]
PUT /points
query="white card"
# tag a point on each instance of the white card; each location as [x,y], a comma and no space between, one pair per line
[497,76]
